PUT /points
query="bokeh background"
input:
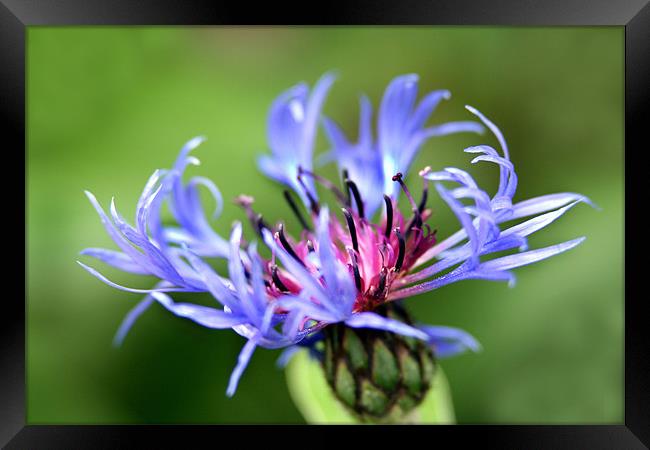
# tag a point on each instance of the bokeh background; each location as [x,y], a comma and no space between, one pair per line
[107,106]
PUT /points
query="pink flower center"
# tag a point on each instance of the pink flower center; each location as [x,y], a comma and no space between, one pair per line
[376,254]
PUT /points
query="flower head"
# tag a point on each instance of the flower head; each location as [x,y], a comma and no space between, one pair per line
[343,267]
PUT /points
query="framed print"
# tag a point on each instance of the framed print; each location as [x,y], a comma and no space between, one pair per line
[379,215]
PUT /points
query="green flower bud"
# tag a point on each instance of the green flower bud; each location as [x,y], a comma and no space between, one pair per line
[377,375]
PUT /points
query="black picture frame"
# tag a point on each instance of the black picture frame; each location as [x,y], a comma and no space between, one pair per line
[634,15]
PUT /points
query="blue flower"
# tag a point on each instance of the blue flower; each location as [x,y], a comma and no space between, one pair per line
[336,271]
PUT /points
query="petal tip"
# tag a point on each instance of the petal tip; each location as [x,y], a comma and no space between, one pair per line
[195,142]
[471,109]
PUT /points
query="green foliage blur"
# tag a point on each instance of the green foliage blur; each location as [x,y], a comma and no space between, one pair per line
[108,106]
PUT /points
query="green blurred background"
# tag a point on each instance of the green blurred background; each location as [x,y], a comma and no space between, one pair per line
[107,106]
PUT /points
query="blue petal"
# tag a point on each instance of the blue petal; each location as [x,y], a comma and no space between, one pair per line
[182,160]
[462,126]
[338,282]
[448,341]
[214,191]
[285,117]
[257,280]
[116,259]
[312,116]
[309,308]
[127,289]
[508,178]
[529,257]
[238,278]
[393,126]
[375,321]
[213,282]
[121,242]
[130,318]
[464,219]
[287,354]
[292,127]
[361,160]
[291,323]
[186,207]
[215,248]
[457,256]
[462,272]
[365,123]
[507,174]
[544,203]
[394,111]
[426,107]
[153,254]
[203,315]
[537,223]
[335,135]
[147,199]
[242,362]
[493,128]
[503,243]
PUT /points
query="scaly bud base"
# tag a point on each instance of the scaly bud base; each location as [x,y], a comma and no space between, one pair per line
[377,375]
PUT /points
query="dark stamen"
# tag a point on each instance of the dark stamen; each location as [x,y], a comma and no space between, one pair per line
[325,182]
[286,245]
[352,187]
[425,196]
[310,246]
[357,277]
[313,204]
[276,279]
[402,250]
[355,270]
[389,215]
[346,177]
[415,223]
[398,177]
[296,211]
[352,228]
[261,224]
